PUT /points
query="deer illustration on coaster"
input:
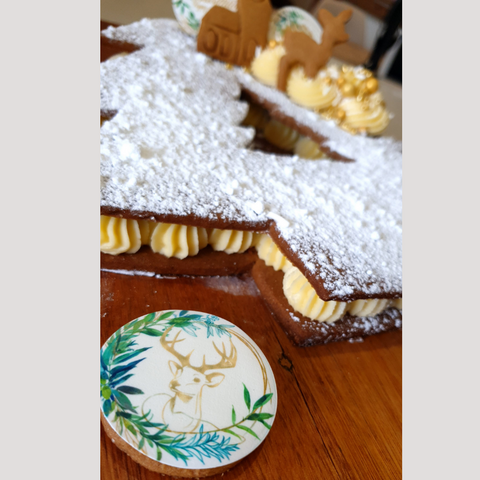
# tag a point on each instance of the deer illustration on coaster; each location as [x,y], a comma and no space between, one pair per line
[183,411]
[218,407]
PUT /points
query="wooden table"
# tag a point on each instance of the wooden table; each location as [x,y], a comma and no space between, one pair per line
[339,405]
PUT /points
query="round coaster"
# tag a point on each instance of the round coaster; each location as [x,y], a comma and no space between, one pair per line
[296,19]
[189,13]
[186,390]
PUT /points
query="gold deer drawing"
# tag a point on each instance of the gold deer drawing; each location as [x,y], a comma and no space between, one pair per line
[232,37]
[303,50]
[183,411]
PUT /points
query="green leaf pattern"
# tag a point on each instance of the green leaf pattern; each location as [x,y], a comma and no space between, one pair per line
[186,11]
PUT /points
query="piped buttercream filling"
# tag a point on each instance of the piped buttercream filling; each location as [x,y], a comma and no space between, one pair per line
[121,235]
[280,135]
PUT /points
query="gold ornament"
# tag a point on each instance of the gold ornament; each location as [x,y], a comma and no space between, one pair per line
[371,85]
[348,90]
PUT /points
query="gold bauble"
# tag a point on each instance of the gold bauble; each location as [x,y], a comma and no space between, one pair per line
[371,85]
[348,90]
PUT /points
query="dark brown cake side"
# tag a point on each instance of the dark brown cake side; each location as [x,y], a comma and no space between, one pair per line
[206,262]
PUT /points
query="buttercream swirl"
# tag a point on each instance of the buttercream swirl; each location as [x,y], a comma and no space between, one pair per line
[368,308]
[178,241]
[317,93]
[369,114]
[303,298]
[119,235]
[307,148]
[271,254]
[265,65]
[280,135]
[231,241]
[256,117]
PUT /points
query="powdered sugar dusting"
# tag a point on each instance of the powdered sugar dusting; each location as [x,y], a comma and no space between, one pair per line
[176,147]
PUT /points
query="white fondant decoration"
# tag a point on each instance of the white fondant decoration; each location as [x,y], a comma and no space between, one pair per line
[189,13]
[186,388]
[296,19]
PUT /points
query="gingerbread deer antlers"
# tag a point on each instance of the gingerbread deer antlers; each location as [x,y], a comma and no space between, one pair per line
[303,50]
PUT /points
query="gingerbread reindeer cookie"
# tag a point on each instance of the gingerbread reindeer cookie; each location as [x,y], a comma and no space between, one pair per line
[303,50]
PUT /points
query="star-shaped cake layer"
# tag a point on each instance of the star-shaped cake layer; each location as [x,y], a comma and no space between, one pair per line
[175,151]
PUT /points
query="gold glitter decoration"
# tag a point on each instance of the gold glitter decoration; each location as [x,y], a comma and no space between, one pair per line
[327,81]
[341,81]
[340,114]
[272,44]
[228,66]
[328,113]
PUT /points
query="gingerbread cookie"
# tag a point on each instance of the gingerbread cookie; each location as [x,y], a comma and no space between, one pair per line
[302,50]
[233,37]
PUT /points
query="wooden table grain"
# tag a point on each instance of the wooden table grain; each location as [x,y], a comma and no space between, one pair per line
[339,405]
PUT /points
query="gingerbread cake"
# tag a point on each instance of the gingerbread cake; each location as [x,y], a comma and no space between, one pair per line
[186,189]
